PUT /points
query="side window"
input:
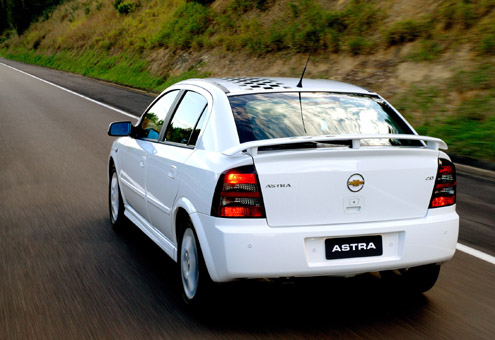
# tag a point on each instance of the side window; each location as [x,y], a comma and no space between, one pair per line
[153,119]
[184,127]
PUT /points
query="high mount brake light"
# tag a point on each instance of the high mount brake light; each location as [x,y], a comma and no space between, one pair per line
[444,191]
[238,194]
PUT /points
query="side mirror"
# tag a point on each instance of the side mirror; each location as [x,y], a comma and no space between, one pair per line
[120,129]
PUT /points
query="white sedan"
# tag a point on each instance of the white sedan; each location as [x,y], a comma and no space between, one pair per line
[243,178]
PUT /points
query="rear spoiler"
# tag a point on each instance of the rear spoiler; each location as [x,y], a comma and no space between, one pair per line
[252,147]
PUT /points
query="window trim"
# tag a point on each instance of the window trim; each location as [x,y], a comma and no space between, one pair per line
[196,125]
[171,116]
[172,108]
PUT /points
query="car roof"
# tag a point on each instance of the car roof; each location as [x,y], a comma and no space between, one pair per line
[243,85]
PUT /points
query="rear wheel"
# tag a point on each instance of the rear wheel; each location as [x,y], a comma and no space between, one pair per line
[415,280]
[194,275]
[115,202]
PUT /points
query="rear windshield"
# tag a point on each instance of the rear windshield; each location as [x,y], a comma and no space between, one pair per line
[279,115]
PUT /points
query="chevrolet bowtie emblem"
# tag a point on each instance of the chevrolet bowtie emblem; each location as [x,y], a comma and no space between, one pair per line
[355,182]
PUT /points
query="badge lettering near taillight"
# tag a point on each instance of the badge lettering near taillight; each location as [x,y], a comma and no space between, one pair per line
[238,194]
[445,185]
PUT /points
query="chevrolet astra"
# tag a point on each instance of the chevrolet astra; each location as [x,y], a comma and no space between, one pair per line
[246,178]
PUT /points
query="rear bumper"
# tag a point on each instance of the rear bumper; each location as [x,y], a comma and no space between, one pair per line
[243,248]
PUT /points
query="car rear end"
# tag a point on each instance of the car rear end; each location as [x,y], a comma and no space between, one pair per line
[337,184]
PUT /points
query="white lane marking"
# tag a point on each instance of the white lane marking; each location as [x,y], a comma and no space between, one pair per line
[72,92]
[461,247]
[476,253]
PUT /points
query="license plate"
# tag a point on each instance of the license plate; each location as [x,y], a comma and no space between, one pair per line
[349,247]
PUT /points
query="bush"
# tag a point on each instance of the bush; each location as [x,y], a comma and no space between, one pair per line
[361,16]
[477,108]
[428,50]
[188,21]
[125,7]
[404,31]
[455,12]
[308,24]
[359,45]
[243,6]
[420,100]
[487,44]
[203,2]
[481,78]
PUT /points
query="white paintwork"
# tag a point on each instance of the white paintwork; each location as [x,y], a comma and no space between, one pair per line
[158,180]
[132,172]
[163,173]
[395,187]
[169,247]
[252,147]
[253,249]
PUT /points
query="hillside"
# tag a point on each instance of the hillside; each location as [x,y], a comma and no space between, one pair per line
[434,60]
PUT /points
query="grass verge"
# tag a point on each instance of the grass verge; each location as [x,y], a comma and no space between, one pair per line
[459,111]
[125,69]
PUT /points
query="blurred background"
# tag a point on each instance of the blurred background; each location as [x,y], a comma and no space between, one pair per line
[433,60]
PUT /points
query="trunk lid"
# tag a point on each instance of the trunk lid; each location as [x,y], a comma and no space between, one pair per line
[333,186]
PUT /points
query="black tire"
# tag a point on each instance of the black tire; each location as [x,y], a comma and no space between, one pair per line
[194,278]
[115,202]
[412,281]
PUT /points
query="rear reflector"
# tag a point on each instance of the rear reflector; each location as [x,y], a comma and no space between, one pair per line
[241,212]
[444,192]
[442,201]
[238,194]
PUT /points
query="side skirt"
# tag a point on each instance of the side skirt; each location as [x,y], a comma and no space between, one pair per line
[154,234]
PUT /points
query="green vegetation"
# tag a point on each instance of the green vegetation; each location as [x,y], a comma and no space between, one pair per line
[125,7]
[468,127]
[428,50]
[303,22]
[150,44]
[189,21]
[256,26]
[120,68]
[405,31]
[18,15]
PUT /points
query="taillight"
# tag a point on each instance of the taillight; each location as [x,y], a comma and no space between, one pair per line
[445,185]
[238,194]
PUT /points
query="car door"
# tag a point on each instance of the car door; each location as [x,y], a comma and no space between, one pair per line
[166,164]
[136,151]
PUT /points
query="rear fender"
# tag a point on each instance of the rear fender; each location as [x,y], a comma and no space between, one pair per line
[188,206]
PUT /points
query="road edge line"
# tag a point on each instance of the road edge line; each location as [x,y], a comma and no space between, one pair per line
[72,92]
[476,253]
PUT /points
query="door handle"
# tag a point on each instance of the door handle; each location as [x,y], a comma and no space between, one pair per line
[142,162]
[172,171]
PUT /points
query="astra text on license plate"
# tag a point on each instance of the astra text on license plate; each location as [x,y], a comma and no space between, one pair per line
[348,247]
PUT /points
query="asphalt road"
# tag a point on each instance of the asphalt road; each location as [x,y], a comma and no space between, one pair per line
[65,274]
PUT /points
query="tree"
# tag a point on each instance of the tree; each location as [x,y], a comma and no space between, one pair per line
[18,14]
[3,17]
